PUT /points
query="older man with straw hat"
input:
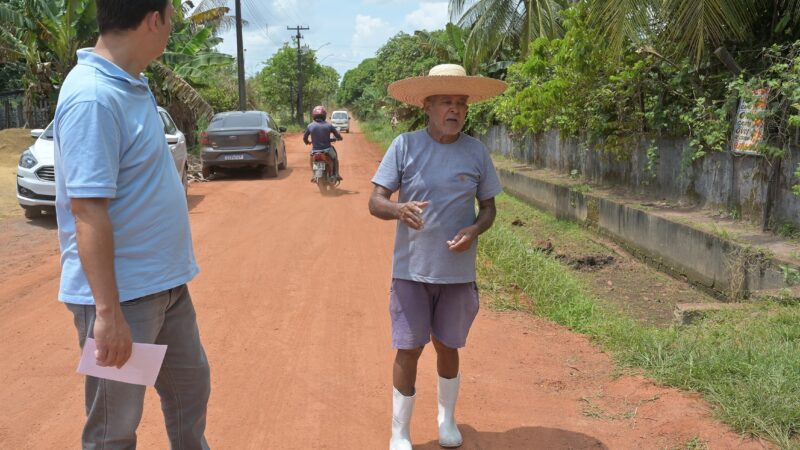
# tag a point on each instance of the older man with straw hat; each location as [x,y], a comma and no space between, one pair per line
[440,172]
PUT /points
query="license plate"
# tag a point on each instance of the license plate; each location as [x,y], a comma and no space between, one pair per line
[319,165]
[233,157]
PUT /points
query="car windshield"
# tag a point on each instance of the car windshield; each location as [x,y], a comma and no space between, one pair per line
[245,120]
[48,132]
[339,115]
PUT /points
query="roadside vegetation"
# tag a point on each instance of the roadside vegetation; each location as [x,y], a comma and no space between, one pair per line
[608,73]
[743,362]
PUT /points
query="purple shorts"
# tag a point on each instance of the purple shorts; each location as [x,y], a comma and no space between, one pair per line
[420,310]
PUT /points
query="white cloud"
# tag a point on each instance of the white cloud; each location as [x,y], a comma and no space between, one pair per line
[370,34]
[429,16]
[368,29]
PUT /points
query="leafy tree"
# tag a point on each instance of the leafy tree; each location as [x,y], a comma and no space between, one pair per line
[185,64]
[277,82]
[497,24]
[358,91]
[44,35]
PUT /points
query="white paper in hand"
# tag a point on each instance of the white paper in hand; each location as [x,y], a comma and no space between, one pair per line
[142,367]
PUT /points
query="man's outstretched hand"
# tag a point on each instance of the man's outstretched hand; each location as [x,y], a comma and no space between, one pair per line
[463,239]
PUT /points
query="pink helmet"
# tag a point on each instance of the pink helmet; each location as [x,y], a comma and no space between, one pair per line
[319,112]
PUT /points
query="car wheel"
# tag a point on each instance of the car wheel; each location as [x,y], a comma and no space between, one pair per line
[270,171]
[32,212]
[206,172]
[285,163]
[185,179]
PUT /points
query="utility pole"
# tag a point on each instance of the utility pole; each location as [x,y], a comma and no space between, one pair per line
[297,37]
[240,56]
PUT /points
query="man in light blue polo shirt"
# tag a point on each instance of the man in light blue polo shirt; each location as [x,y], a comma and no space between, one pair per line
[123,222]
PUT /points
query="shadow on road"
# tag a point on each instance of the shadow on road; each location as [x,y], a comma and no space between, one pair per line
[525,438]
[193,200]
[47,221]
[248,174]
[340,192]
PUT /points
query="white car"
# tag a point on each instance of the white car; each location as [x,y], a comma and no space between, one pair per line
[341,120]
[36,187]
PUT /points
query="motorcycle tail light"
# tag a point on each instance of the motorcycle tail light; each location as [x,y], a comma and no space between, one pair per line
[263,137]
[319,156]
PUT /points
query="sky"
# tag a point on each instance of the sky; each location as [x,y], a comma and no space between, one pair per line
[343,32]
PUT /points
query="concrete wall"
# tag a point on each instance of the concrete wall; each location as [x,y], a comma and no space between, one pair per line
[718,265]
[719,180]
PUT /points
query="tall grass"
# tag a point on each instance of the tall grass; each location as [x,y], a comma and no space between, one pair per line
[745,362]
[379,132]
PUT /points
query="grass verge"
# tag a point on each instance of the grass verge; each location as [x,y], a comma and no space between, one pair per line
[379,133]
[744,362]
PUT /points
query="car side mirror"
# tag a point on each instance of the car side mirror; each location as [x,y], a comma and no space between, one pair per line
[172,139]
[282,129]
[36,132]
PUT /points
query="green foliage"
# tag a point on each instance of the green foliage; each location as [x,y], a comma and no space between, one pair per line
[221,89]
[11,74]
[379,132]
[694,28]
[652,160]
[45,35]
[791,275]
[573,84]
[497,26]
[796,187]
[357,89]
[576,84]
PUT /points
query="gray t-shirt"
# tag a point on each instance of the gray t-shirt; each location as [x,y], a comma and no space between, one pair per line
[450,177]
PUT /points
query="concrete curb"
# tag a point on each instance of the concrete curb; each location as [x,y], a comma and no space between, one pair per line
[724,268]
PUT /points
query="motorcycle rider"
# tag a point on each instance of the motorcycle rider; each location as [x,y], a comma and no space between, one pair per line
[320,132]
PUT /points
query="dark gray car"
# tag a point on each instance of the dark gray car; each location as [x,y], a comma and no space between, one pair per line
[240,139]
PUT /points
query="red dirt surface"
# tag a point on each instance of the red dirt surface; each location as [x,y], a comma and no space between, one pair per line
[292,301]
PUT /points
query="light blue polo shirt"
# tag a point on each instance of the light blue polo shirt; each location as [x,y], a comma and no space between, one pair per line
[109,143]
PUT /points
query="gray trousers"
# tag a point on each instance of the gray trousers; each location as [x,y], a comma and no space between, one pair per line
[114,409]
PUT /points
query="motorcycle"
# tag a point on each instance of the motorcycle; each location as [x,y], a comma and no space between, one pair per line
[322,169]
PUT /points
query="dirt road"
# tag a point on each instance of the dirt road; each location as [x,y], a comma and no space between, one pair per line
[292,305]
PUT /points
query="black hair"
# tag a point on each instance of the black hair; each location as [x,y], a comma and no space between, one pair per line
[121,15]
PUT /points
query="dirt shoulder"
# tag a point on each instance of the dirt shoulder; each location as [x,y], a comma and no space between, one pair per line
[13,142]
[292,302]
[608,270]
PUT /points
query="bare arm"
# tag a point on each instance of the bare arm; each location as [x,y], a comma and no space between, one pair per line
[95,238]
[382,207]
[464,238]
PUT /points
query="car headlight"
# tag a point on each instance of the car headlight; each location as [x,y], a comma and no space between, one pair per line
[27,160]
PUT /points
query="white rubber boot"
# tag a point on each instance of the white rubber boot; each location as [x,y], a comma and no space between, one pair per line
[449,436]
[402,408]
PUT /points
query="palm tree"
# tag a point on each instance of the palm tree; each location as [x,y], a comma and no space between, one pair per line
[493,24]
[693,27]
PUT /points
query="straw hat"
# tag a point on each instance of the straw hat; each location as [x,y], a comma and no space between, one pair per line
[445,79]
